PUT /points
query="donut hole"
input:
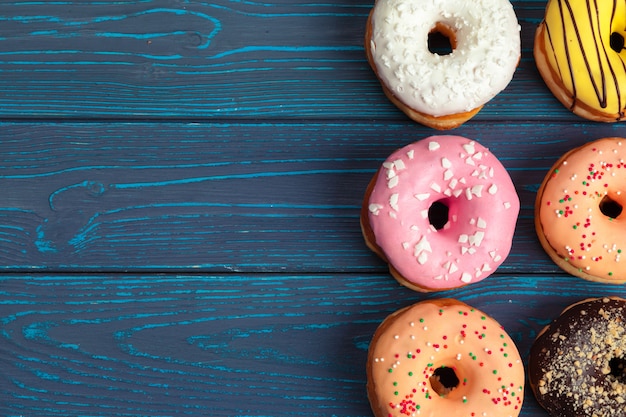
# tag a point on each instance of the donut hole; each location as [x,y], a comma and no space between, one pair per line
[444,380]
[617,42]
[438,214]
[441,39]
[618,369]
[610,207]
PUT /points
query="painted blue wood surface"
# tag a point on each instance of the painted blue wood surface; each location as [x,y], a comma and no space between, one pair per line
[245,197]
[225,59]
[180,191]
[236,345]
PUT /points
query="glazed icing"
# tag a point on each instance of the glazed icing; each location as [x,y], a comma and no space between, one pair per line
[411,346]
[482,207]
[578,188]
[574,364]
[482,64]
[578,43]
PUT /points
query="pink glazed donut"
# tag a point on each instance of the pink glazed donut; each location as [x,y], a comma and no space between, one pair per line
[441,212]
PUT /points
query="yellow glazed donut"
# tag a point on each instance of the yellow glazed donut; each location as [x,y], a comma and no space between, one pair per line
[443,358]
[579,51]
[442,91]
[578,211]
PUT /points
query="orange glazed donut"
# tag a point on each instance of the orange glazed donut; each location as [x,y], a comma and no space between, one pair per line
[579,52]
[441,212]
[443,358]
[578,211]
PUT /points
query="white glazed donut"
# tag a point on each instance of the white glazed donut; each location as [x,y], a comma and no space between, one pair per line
[484,35]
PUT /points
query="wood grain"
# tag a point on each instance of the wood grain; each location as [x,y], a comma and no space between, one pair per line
[180,190]
[223,59]
[228,197]
[223,345]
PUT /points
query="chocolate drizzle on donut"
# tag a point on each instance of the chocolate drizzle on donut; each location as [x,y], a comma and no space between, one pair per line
[575,20]
[576,365]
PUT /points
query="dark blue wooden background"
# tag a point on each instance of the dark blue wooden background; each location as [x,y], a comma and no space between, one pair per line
[180,189]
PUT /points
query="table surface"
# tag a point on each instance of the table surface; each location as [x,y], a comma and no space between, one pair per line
[179,217]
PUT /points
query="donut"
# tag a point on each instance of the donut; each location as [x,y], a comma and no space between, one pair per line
[441,212]
[576,366]
[443,358]
[579,52]
[578,211]
[435,87]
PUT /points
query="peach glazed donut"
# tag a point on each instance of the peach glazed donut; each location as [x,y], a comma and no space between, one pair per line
[579,52]
[577,364]
[578,211]
[442,89]
[443,358]
[441,212]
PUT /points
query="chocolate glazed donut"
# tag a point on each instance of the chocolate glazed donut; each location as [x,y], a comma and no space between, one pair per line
[577,363]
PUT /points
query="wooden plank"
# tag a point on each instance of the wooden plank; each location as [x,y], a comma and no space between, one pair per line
[264,345]
[228,197]
[241,60]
